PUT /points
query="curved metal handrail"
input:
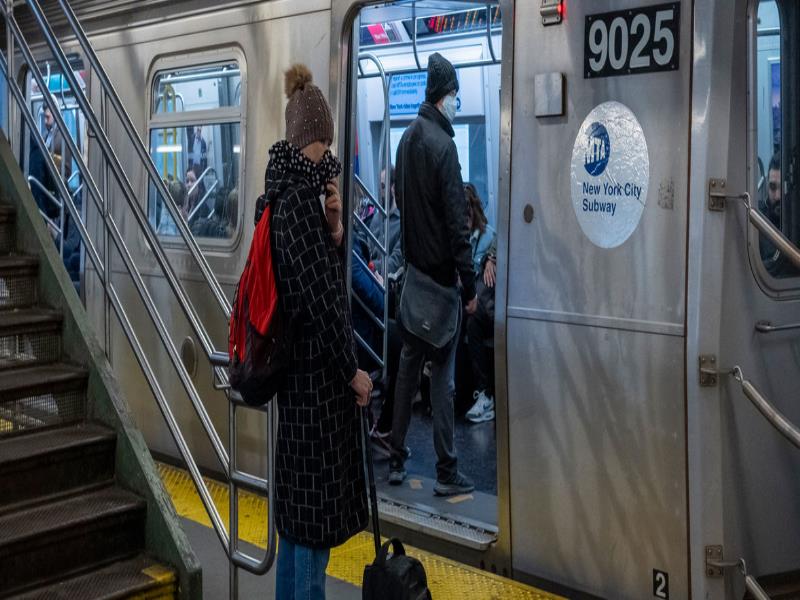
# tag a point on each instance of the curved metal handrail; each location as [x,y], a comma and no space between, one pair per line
[749,581]
[768,327]
[775,235]
[777,419]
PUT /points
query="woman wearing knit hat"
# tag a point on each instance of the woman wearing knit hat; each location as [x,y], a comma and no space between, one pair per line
[320,492]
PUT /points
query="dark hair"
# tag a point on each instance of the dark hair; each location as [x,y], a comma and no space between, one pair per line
[178,192]
[391,174]
[475,208]
[775,162]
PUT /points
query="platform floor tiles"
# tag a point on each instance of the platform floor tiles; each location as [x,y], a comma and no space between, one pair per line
[447,579]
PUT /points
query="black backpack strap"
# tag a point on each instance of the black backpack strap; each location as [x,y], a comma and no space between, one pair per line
[397,550]
[373,492]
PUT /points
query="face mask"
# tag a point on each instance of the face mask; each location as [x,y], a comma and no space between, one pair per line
[449,108]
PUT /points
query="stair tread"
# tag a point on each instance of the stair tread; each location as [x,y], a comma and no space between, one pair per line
[39,443]
[39,377]
[29,318]
[117,580]
[17,261]
[73,511]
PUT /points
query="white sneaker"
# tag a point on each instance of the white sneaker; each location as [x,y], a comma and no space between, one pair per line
[482,410]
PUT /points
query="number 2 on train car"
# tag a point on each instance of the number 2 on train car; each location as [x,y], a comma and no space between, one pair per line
[628,42]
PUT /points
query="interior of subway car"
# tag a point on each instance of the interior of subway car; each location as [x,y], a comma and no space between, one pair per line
[391,46]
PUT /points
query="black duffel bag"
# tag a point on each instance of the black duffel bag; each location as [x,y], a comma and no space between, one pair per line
[395,577]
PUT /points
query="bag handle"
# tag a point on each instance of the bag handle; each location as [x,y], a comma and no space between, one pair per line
[397,550]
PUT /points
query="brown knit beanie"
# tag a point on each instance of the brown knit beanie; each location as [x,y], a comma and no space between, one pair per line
[308,116]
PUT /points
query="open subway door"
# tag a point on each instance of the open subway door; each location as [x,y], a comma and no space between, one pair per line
[385,79]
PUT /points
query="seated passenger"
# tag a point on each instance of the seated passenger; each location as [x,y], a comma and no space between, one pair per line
[178,193]
[480,326]
[194,193]
[771,208]
[215,225]
[394,251]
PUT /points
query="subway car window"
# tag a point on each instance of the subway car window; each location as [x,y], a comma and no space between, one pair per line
[198,159]
[777,125]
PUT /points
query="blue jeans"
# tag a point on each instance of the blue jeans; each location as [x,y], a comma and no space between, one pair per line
[301,572]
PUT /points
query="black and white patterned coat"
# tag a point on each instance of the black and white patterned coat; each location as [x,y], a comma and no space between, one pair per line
[320,494]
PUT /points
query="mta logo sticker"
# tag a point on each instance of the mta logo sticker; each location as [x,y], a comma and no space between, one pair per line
[598,150]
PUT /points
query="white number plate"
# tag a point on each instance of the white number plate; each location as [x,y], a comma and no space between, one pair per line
[627,42]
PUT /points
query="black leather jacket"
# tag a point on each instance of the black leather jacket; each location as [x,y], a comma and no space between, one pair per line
[430,196]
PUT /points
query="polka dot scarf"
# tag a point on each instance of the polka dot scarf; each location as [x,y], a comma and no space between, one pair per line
[287,158]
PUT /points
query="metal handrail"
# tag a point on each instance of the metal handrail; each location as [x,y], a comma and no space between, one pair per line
[238,559]
[768,327]
[363,187]
[386,152]
[141,218]
[199,179]
[749,581]
[137,143]
[202,201]
[103,275]
[775,235]
[785,427]
[45,191]
[119,174]
[60,227]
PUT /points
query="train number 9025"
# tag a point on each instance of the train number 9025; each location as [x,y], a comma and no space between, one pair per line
[628,42]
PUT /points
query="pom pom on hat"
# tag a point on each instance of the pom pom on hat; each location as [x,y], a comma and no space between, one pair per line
[308,116]
[297,77]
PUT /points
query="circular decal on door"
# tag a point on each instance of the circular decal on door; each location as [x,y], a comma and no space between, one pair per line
[610,174]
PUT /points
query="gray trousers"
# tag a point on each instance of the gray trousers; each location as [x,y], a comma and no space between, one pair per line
[442,395]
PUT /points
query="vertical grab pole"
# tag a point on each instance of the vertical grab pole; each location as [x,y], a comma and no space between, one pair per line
[387,206]
[106,235]
[233,504]
[489,32]
[414,33]
[385,155]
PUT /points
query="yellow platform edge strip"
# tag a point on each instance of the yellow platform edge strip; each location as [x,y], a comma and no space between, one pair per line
[447,579]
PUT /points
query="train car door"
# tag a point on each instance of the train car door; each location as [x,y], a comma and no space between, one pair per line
[596,271]
[387,46]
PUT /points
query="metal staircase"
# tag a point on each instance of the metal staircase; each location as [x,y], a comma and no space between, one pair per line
[67,528]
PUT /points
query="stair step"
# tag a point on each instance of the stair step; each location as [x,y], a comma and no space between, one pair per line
[18,281]
[29,336]
[780,586]
[7,228]
[40,396]
[43,465]
[140,577]
[51,541]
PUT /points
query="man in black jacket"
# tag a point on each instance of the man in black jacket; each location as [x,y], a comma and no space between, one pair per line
[430,195]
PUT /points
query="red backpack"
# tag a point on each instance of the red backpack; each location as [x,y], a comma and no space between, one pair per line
[259,341]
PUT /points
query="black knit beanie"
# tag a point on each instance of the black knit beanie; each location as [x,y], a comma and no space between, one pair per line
[442,78]
[308,116]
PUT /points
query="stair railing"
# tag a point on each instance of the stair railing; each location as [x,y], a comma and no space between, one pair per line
[111,232]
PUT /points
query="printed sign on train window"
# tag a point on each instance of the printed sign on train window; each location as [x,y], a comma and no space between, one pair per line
[628,42]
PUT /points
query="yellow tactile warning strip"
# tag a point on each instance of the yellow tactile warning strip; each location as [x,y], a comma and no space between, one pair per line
[447,579]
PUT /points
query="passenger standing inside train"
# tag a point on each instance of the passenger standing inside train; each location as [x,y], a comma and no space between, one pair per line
[320,491]
[433,212]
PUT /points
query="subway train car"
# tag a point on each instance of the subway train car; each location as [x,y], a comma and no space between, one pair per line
[638,163]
